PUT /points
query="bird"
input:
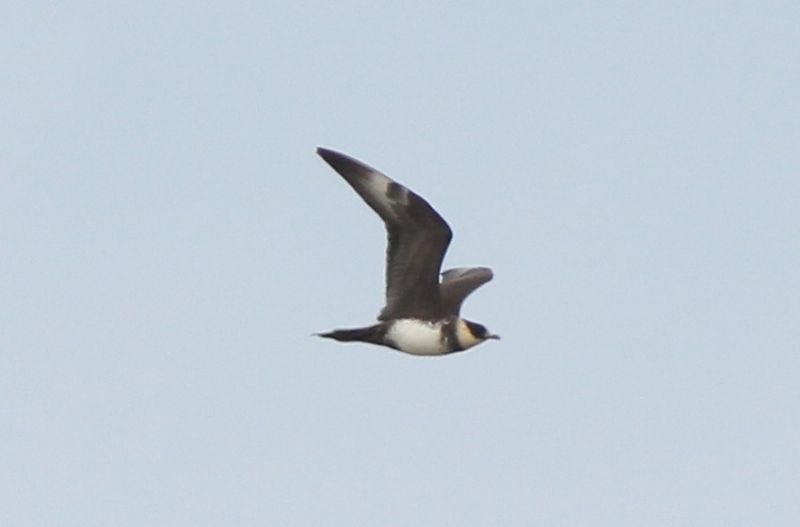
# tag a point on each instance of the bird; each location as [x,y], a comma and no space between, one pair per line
[422,314]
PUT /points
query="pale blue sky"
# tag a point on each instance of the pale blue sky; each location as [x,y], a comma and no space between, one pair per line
[630,170]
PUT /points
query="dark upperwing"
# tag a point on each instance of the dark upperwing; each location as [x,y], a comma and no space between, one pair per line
[417,239]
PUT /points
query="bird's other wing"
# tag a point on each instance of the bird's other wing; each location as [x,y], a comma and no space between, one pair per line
[458,283]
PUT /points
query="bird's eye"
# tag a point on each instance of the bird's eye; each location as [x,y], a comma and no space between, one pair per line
[478,330]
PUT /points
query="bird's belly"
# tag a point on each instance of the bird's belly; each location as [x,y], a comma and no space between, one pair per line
[417,337]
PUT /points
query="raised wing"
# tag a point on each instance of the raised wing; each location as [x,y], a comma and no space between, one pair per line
[458,283]
[417,238]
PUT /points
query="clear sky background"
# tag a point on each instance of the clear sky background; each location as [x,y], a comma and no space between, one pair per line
[630,170]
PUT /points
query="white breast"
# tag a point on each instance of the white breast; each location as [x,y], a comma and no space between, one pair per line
[417,337]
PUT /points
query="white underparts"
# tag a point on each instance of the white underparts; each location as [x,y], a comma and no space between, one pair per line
[417,337]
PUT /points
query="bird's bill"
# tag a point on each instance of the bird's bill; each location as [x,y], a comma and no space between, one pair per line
[495,337]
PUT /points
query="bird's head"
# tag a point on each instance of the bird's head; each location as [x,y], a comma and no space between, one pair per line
[471,333]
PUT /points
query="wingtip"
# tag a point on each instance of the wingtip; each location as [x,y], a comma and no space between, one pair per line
[325,152]
[332,157]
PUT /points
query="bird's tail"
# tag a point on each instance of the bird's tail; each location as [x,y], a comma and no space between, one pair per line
[373,334]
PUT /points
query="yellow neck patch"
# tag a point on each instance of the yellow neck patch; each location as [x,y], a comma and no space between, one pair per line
[464,336]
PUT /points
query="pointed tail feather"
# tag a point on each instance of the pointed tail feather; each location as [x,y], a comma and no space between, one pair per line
[372,334]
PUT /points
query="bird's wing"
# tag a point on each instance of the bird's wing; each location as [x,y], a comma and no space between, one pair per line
[458,283]
[417,238]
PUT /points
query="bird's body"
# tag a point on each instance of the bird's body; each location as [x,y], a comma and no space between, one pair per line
[421,316]
[418,337]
